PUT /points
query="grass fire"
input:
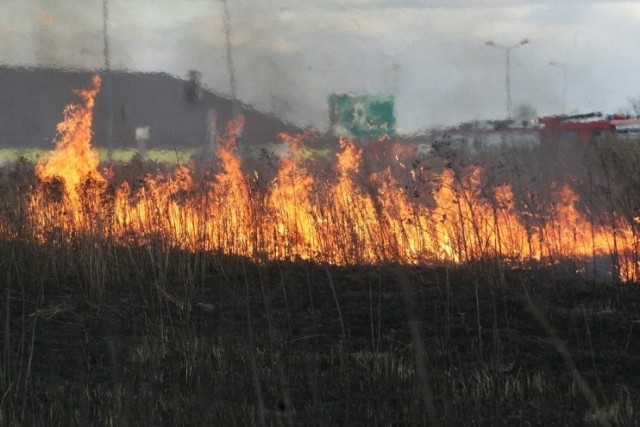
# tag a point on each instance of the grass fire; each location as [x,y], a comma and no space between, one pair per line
[346,217]
[377,286]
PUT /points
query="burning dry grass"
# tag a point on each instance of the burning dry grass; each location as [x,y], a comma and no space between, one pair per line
[446,215]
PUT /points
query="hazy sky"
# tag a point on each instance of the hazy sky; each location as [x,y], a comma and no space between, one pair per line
[289,55]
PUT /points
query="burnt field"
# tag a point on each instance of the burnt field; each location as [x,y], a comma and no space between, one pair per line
[180,338]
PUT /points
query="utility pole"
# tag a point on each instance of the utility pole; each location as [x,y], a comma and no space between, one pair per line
[106,84]
[105,33]
[507,50]
[231,69]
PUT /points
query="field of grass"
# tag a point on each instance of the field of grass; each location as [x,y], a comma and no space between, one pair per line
[95,332]
[120,155]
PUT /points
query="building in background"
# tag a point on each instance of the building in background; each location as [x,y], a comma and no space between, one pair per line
[146,111]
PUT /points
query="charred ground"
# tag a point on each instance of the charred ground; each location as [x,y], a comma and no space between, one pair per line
[204,339]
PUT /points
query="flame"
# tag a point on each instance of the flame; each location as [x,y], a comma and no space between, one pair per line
[347,217]
[293,222]
[70,172]
[74,161]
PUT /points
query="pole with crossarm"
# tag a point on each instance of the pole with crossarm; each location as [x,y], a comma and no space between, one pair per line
[507,50]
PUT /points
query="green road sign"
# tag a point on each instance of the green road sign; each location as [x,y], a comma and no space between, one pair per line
[362,115]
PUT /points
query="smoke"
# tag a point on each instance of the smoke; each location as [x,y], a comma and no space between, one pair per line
[51,33]
[287,57]
[226,19]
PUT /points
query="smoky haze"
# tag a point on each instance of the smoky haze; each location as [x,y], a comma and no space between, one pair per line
[289,56]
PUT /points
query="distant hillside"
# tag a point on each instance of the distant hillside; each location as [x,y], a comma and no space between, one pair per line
[32,101]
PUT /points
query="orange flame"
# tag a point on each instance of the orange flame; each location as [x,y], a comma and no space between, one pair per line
[347,219]
[74,160]
[71,170]
[293,222]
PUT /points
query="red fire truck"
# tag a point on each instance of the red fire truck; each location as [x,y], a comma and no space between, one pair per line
[586,127]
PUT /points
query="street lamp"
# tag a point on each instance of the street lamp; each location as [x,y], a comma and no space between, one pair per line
[564,81]
[507,50]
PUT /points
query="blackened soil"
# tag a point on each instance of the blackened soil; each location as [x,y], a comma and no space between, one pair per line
[207,340]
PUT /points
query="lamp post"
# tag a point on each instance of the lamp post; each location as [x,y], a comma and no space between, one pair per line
[507,50]
[564,81]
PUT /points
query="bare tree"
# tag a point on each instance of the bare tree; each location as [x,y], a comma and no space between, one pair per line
[634,105]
